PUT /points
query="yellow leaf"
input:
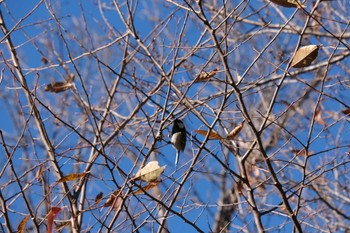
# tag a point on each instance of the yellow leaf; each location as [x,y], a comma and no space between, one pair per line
[288,3]
[235,131]
[212,135]
[304,56]
[73,176]
[150,172]
[22,224]
[98,198]
[150,185]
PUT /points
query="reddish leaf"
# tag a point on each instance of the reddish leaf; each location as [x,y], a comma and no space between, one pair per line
[51,217]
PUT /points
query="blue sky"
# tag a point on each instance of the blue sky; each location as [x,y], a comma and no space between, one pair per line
[83,24]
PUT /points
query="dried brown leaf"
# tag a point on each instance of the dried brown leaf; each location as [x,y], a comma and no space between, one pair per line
[150,185]
[212,135]
[235,131]
[115,199]
[71,177]
[111,199]
[150,172]
[57,87]
[22,224]
[304,56]
[98,198]
[204,76]
[288,3]
[346,111]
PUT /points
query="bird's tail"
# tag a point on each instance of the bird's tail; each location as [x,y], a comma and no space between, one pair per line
[177,158]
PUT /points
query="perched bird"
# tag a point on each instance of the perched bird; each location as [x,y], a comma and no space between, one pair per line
[178,138]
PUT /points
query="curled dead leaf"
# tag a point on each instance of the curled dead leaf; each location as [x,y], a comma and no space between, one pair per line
[115,199]
[150,172]
[304,56]
[150,185]
[346,111]
[98,198]
[204,76]
[289,3]
[212,135]
[57,87]
[235,131]
[51,217]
